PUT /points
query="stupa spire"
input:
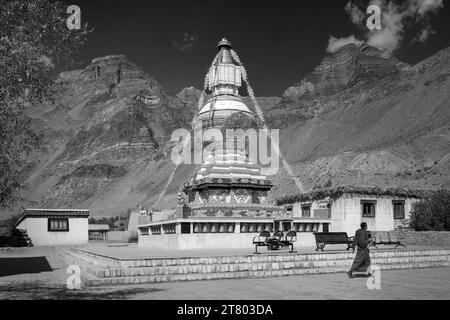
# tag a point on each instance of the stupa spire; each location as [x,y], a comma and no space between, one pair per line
[224,43]
[224,77]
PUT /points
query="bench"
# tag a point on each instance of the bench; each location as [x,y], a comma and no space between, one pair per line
[385,238]
[323,239]
[275,242]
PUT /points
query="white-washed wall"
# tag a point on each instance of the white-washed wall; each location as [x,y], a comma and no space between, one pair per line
[346,213]
[212,241]
[297,208]
[37,229]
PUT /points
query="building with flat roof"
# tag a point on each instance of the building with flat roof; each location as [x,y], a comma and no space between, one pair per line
[52,227]
[345,207]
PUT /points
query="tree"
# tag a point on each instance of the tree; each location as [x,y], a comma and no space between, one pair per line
[10,223]
[34,38]
[432,214]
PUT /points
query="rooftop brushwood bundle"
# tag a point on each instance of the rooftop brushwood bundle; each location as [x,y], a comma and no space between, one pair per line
[336,192]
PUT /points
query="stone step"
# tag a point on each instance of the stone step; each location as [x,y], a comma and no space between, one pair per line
[256,266]
[112,263]
[95,260]
[251,274]
[101,270]
[88,270]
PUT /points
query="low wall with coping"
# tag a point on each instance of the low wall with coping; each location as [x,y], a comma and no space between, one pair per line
[102,270]
[212,241]
[424,238]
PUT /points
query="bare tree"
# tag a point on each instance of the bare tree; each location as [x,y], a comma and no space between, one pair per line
[34,38]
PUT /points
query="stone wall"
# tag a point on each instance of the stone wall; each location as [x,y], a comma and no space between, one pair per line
[102,270]
[122,236]
[425,238]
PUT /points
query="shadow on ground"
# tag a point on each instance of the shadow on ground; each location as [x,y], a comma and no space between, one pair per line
[39,290]
[15,266]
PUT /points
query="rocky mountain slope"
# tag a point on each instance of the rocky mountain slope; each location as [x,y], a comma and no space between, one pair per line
[364,118]
[361,117]
[105,142]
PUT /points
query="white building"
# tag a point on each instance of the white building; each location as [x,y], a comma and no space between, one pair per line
[52,227]
[346,207]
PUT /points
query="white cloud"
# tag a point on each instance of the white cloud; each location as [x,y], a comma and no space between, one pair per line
[427,6]
[394,13]
[392,31]
[424,34]
[334,44]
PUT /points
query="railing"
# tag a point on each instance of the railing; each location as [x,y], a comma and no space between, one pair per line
[155,230]
[144,231]
[256,227]
[214,227]
[309,225]
[306,227]
[169,228]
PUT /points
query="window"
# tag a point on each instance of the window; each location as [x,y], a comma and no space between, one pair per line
[306,211]
[185,228]
[368,208]
[399,209]
[58,224]
[289,209]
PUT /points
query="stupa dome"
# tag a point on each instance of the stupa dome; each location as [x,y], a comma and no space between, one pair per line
[217,110]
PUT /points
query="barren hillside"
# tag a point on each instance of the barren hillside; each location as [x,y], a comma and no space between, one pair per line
[361,117]
[364,118]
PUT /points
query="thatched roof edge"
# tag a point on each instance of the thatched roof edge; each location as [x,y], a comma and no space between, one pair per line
[336,192]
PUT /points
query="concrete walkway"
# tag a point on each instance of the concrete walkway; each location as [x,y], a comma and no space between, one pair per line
[44,284]
[419,284]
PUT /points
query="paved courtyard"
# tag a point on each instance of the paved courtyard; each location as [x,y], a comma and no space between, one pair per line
[48,278]
[132,251]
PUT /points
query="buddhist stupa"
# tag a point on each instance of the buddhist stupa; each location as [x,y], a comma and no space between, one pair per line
[228,183]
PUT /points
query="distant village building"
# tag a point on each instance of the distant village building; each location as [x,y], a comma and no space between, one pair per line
[135,215]
[346,207]
[52,227]
[98,232]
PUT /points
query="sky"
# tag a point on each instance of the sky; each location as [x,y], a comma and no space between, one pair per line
[279,42]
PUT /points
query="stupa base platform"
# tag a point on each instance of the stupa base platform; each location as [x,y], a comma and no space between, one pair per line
[223,232]
[133,265]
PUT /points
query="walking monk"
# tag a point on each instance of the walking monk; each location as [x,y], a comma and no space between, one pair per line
[362,259]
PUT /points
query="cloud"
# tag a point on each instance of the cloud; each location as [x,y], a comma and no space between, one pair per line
[334,44]
[392,31]
[394,17]
[187,43]
[356,15]
[423,35]
[427,6]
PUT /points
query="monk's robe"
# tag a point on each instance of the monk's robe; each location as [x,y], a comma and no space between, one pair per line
[362,259]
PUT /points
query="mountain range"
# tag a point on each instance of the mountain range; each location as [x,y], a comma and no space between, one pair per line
[361,117]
